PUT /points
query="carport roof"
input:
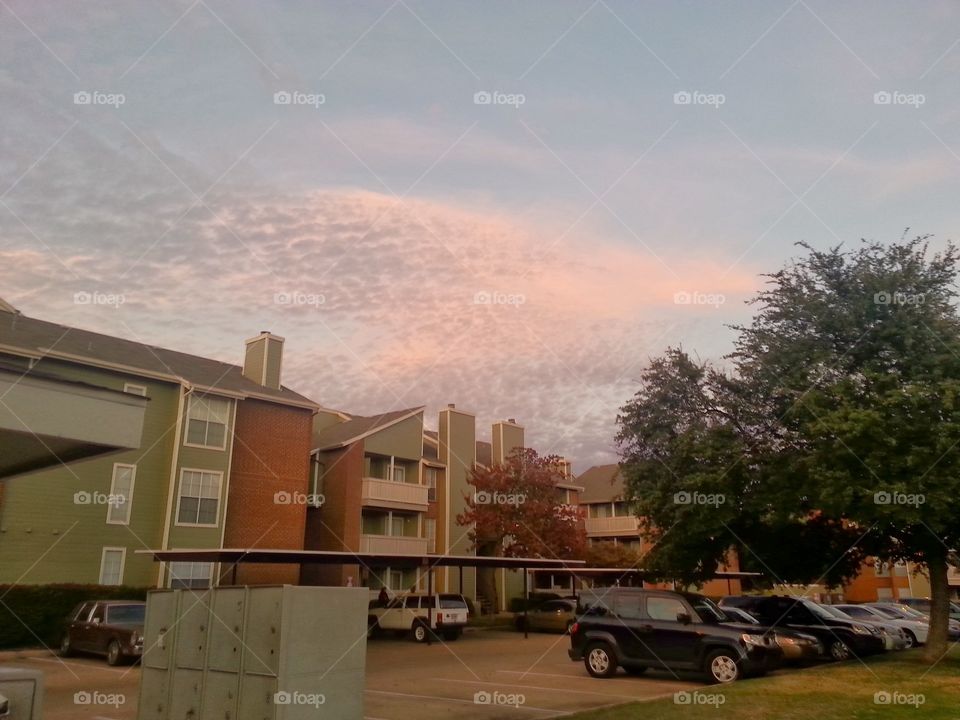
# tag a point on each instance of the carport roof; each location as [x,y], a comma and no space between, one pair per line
[330,557]
[621,572]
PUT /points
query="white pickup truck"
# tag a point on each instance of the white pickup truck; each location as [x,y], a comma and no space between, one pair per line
[445,614]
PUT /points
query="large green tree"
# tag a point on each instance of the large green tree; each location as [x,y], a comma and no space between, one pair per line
[832,434]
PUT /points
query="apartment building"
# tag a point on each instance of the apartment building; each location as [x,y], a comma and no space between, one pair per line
[884,581]
[609,517]
[218,445]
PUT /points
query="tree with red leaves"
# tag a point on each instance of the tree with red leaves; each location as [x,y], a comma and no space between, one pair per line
[516,511]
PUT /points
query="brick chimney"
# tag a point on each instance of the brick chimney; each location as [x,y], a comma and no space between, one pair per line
[263,359]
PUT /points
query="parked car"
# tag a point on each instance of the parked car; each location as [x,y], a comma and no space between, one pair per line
[893,637]
[795,646]
[445,614]
[889,606]
[113,628]
[923,605]
[636,629]
[553,616]
[843,638]
[915,630]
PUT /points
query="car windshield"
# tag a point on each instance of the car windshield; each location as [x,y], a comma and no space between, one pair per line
[819,610]
[741,616]
[126,613]
[859,612]
[890,612]
[836,612]
[708,610]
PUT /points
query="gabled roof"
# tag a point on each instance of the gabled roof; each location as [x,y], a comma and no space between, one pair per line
[601,483]
[359,427]
[34,338]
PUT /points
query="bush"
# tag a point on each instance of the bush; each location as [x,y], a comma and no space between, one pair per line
[33,615]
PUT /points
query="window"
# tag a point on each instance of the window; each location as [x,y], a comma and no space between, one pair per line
[396,525]
[121,494]
[135,389]
[199,497]
[430,525]
[884,594]
[190,575]
[627,607]
[111,565]
[399,473]
[207,419]
[430,476]
[664,608]
[881,569]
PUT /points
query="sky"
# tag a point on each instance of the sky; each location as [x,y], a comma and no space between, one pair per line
[510,206]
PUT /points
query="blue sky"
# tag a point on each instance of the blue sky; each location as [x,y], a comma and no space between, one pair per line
[363,228]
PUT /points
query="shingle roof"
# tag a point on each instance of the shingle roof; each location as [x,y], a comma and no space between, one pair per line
[601,483]
[358,426]
[40,338]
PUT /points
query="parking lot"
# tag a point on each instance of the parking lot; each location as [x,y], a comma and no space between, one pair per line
[484,676]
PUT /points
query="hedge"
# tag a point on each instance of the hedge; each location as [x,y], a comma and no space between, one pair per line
[33,615]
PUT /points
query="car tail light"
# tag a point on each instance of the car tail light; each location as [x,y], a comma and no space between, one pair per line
[574,628]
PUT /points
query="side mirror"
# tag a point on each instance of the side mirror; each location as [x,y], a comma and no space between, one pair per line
[684,618]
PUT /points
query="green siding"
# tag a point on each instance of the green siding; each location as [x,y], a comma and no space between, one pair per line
[403,440]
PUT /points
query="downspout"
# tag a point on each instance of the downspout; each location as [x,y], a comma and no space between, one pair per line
[226,490]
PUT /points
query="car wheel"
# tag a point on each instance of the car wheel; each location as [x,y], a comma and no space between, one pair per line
[722,667]
[839,650]
[66,647]
[635,670]
[911,639]
[114,656]
[600,660]
[420,632]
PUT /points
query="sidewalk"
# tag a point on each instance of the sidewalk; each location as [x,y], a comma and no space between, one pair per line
[24,653]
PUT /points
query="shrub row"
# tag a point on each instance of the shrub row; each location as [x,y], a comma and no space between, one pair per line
[33,615]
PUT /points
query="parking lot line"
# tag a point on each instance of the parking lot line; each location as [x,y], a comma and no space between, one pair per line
[440,698]
[537,687]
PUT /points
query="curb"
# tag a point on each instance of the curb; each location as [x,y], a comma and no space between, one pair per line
[24,653]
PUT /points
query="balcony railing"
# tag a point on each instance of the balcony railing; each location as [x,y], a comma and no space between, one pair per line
[612,526]
[383,493]
[393,544]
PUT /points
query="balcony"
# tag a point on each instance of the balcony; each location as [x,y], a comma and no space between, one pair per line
[393,544]
[397,495]
[612,526]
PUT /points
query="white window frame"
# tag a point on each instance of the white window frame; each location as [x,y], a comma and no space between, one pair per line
[226,425]
[219,475]
[135,389]
[170,573]
[128,500]
[103,558]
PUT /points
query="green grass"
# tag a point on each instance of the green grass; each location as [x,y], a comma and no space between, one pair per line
[825,692]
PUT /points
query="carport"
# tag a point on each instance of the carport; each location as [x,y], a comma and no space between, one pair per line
[233,557]
[634,576]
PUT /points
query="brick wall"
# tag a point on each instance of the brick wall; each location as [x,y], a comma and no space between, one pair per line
[271,455]
[336,526]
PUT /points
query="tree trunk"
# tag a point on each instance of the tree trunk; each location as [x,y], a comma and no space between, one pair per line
[939,608]
[487,578]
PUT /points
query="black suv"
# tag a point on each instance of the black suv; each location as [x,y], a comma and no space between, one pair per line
[637,629]
[842,638]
